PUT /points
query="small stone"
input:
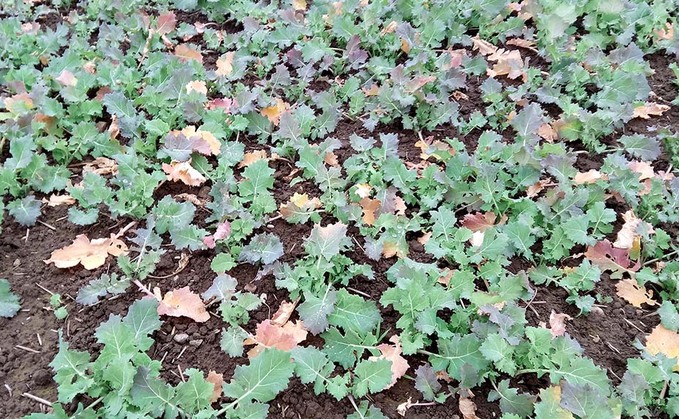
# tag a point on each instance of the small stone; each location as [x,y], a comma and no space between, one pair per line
[196,342]
[181,337]
[17,262]
[42,377]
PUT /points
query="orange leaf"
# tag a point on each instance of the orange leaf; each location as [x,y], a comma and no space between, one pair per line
[270,335]
[166,23]
[184,172]
[399,365]
[225,64]
[91,254]
[636,295]
[249,158]
[186,53]
[183,303]
[217,380]
[204,139]
[273,113]
[369,207]
[664,341]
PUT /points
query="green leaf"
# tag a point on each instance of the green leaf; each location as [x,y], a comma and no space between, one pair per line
[511,401]
[117,104]
[152,395]
[549,405]
[9,302]
[327,241]
[143,319]
[100,287]
[582,371]
[457,355]
[232,341]
[71,369]
[641,146]
[521,238]
[171,215]
[371,376]
[194,394]
[352,312]
[396,172]
[585,401]
[258,179]
[576,230]
[426,382]
[266,376]
[366,411]
[314,310]
[265,248]
[312,366]
[26,211]
[346,349]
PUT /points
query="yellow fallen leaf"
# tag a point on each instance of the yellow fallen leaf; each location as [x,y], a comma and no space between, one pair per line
[225,64]
[273,113]
[205,137]
[249,158]
[91,254]
[369,207]
[299,4]
[634,294]
[663,341]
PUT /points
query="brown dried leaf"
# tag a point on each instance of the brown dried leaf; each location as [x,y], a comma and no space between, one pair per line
[369,207]
[643,168]
[203,139]
[299,204]
[66,78]
[479,221]
[592,176]
[56,200]
[183,303]
[548,133]
[467,408]
[166,23]
[91,254]
[557,323]
[522,43]
[331,159]
[633,293]
[225,64]
[484,47]
[649,109]
[299,4]
[184,172]
[217,381]
[399,365]
[507,63]
[102,166]
[667,32]
[283,313]
[185,53]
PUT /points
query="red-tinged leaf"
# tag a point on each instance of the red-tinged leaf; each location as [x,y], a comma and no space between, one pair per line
[225,104]
[557,323]
[166,23]
[186,53]
[183,303]
[608,258]
[223,231]
[270,335]
[217,381]
[479,221]
[399,365]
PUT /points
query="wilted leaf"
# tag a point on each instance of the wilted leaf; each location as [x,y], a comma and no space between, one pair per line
[270,335]
[183,303]
[283,314]
[225,64]
[399,365]
[196,86]
[629,233]
[299,4]
[633,293]
[649,109]
[91,254]
[217,380]
[484,47]
[643,168]
[185,53]
[184,172]
[166,23]
[299,208]
[249,158]
[56,200]
[664,341]
[557,323]
[507,63]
